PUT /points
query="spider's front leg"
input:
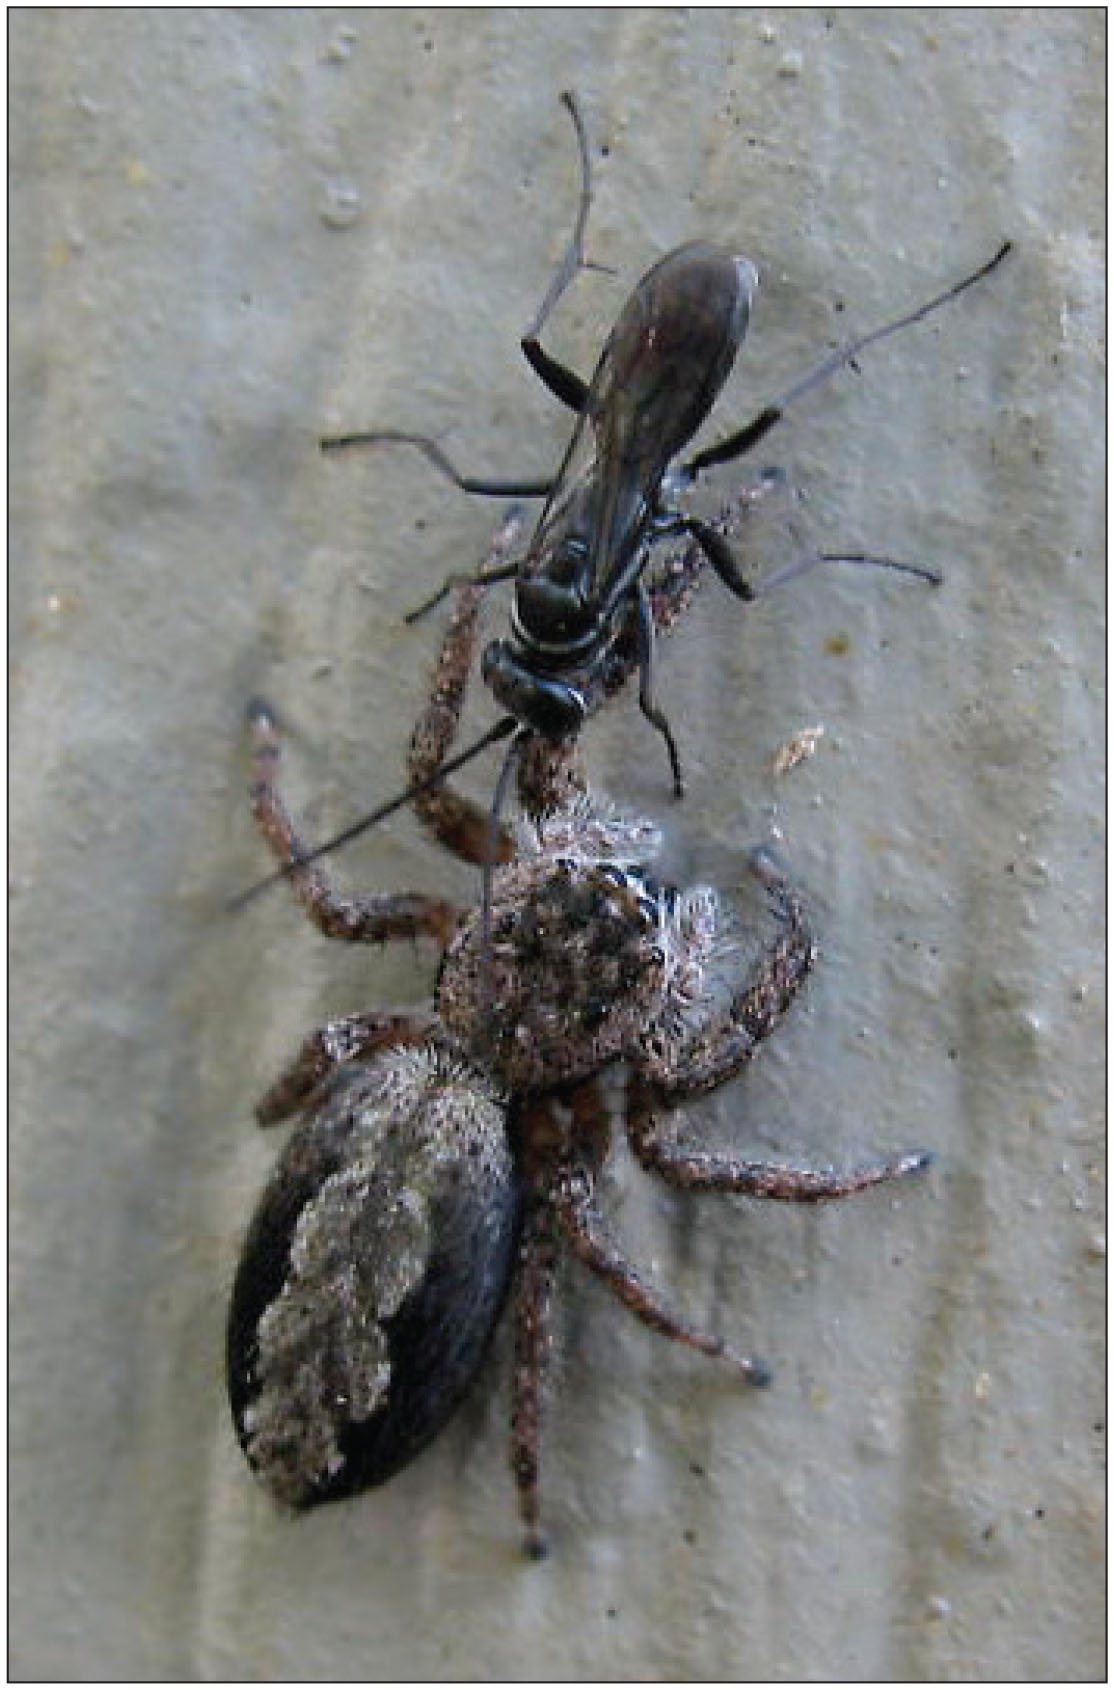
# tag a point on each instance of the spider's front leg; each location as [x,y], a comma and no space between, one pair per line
[459,824]
[661,597]
[368,919]
[715,1052]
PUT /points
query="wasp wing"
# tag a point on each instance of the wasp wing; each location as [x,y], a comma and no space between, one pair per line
[658,375]
[663,366]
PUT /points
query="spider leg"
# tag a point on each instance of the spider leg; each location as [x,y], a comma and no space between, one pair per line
[716,1051]
[583,1228]
[458,823]
[351,1038]
[698,1170]
[369,918]
[572,1195]
[550,776]
[537,1272]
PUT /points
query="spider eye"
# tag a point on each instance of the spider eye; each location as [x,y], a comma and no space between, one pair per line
[613,874]
[649,908]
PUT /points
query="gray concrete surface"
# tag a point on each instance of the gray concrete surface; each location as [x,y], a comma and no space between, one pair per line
[232,229]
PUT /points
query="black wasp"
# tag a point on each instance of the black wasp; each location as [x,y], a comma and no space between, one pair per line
[579,587]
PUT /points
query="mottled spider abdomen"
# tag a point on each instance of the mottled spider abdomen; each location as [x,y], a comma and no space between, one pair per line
[372,1275]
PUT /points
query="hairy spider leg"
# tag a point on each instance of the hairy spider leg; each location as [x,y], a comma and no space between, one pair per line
[366,918]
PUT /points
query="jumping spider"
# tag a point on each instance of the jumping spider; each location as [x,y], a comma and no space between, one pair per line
[444,1152]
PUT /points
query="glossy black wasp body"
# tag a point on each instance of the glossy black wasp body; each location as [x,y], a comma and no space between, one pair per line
[580,584]
[579,590]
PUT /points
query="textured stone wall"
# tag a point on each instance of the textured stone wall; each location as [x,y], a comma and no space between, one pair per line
[232,230]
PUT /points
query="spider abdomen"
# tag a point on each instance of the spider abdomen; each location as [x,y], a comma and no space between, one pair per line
[372,1276]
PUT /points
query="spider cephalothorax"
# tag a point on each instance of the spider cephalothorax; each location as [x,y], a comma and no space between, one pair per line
[584,952]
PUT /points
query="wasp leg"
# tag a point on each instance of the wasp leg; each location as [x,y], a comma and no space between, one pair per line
[531,488]
[646,701]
